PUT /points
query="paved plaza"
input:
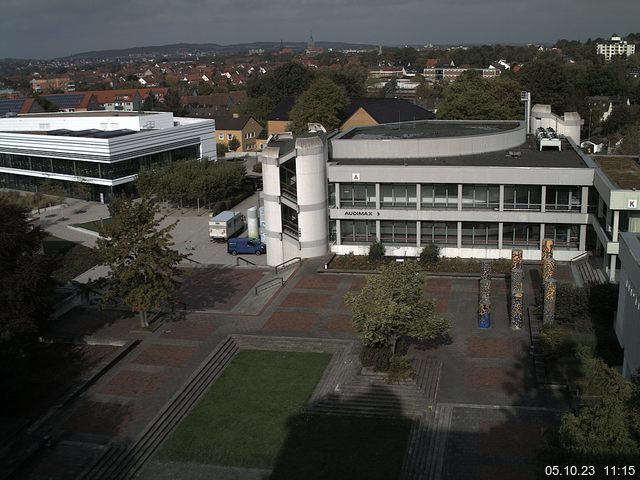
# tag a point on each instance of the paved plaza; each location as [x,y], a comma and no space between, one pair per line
[491,411]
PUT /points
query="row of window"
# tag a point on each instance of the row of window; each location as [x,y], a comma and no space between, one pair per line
[446,233]
[109,171]
[474,196]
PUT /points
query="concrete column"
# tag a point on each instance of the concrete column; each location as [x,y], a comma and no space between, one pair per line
[272,208]
[542,235]
[612,268]
[378,229]
[615,226]
[543,200]
[501,207]
[378,200]
[500,229]
[459,235]
[337,190]
[583,238]
[338,233]
[418,233]
[311,180]
[584,207]
[418,196]
[459,197]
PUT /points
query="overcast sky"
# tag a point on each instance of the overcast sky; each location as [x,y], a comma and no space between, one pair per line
[53,28]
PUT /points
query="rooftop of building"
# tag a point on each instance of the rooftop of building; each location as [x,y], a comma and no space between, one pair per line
[526,155]
[427,129]
[88,133]
[624,172]
[92,113]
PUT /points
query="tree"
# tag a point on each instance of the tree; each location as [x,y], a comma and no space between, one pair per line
[609,428]
[392,305]
[288,80]
[221,149]
[25,284]
[322,103]
[234,144]
[143,267]
[471,97]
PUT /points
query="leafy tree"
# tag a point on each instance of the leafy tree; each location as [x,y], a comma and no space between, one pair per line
[608,427]
[353,80]
[150,103]
[143,267]
[547,80]
[376,251]
[288,80]
[430,254]
[221,149]
[471,97]
[234,144]
[323,103]
[392,305]
[257,107]
[631,140]
[25,283]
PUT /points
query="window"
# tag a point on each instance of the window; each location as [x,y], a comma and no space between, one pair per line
[522,197]
[398,195]
[565,237]
[358,195]
[440,233]
[357,231]
[221,136]
[440,195]
[486,197]
[485,234]
[398,232]
[521,234]
[564,198]
[229,136]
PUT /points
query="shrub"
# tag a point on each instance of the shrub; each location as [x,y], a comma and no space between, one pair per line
[376,251]
[400,369]
[430,254]
[379,358]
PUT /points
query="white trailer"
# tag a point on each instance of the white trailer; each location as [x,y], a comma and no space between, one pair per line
[225,225]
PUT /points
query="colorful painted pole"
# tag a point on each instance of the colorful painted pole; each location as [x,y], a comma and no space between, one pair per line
[516,259]
[549,310]
[484,314]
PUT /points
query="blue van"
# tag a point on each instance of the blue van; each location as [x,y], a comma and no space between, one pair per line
[245,245]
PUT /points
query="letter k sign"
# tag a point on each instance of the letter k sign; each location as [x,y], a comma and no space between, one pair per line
[632,204]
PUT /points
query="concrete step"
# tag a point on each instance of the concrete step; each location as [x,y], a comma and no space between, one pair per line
[120,462]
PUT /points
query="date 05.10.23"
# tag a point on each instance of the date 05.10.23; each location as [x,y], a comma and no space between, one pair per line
[609,471]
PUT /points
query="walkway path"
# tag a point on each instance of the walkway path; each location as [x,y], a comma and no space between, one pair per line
[481,413]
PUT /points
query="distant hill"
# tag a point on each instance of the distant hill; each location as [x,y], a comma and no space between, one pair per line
[208,48]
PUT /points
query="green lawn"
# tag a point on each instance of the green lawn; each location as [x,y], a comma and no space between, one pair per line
[242,419]
[253,417]
[95,225]
[74,257]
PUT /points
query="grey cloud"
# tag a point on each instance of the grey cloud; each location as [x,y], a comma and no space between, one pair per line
[47,28]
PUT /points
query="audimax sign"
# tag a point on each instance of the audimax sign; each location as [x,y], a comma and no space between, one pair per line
[361,213]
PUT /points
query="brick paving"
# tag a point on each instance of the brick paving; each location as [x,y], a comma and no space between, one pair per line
[487,368]
[306,300]
[132,383]
[164,355]
[189,330]
[292,321]
[100,418]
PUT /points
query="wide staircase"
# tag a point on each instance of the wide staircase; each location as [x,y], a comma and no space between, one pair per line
[122,461]
[586,272]
[370,395]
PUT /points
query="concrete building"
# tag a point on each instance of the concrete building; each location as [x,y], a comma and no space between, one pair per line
[627,323]
[615,47]
[477,189]
[100,149]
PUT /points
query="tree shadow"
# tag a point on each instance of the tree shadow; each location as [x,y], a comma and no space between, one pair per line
[345,445]
[433,343]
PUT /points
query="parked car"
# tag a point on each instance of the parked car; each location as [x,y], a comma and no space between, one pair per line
[245,245]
